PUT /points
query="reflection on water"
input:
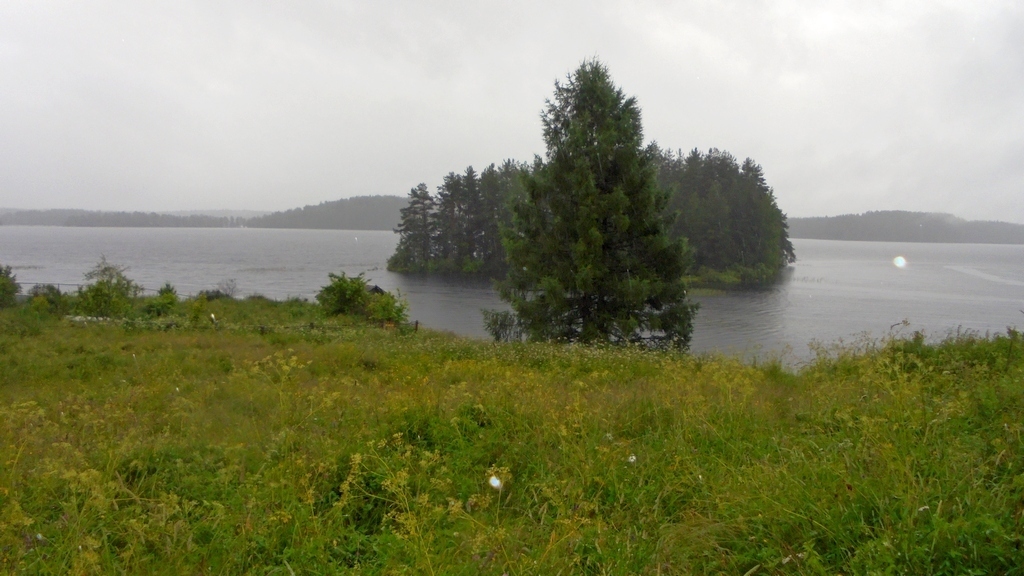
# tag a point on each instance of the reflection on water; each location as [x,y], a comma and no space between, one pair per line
[748,322]
[836,290]
[448,303]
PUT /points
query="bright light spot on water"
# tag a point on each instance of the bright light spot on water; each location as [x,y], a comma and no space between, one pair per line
[495,482]
[899,262]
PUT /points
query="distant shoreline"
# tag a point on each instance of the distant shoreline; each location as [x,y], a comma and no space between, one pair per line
[356,213]
[902,226]
[383,213]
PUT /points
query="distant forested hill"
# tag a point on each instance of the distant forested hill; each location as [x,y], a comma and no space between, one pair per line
[357,213]
[151,220]
[901,226]
[38,217]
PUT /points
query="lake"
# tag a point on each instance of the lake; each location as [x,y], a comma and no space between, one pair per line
[835,291]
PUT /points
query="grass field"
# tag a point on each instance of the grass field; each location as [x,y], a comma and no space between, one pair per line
[281,442]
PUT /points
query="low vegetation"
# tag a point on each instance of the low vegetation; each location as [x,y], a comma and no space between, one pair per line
[238,436]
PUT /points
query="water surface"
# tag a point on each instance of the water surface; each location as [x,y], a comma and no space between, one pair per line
[836,290]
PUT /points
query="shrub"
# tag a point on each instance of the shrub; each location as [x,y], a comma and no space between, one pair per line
[757,276]
[344,295]
[386,307]
[168,289]
[111,293]
[350,295]
[197,309]
[48,298]
[226,289]
[503,325]
[9,287]
[164,302]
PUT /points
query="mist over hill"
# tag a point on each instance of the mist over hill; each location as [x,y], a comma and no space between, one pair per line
[903,226]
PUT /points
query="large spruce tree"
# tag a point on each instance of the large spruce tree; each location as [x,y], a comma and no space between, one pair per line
[588,253]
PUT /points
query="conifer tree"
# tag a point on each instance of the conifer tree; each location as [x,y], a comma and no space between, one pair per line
[416,232]
[448,221]
[500,187]
[588,252]
[471,222]
[491,218]
[728,214]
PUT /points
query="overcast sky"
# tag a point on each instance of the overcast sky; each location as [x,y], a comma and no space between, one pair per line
[270,105]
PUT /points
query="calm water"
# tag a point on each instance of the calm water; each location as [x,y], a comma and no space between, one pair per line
[836,290]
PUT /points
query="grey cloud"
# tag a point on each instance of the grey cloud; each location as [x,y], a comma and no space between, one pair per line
[848,106]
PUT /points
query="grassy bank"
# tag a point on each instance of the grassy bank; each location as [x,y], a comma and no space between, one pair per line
[281,442]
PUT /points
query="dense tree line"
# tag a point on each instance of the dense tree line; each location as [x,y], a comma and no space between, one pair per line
[725,210]
[151,220]
[90,218]
[457,229]
[728,213]
[901,226]
[94,218]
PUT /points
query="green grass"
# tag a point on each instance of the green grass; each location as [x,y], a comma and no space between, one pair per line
[279,441]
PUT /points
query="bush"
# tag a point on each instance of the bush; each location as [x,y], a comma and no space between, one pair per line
[212,295]
[9,287]
[111,293]
[48,298]
[344,295]
[386,307]
[226,289]
[197,309]
[757,276]
[503,326]
[164,302]
[350,295]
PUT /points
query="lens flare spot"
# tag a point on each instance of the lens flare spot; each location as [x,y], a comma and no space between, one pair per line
[495,482]
[899,262]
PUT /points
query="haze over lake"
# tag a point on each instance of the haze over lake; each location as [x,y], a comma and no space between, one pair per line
[836,290]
